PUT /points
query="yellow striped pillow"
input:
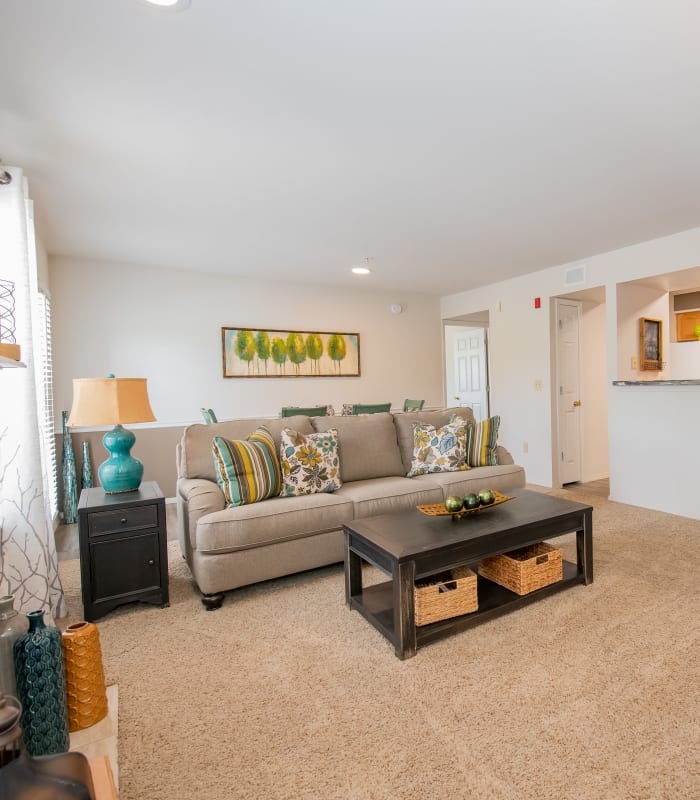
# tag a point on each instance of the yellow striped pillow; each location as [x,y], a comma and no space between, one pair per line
[482,449]
[247,471]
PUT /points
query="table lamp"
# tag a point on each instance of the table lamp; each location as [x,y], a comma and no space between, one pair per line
[113,401]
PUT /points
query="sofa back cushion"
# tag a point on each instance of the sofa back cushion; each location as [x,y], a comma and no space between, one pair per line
[195,453]
[367,445]
[405,422]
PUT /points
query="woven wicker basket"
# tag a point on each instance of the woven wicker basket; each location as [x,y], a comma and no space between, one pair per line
[445,596]
[524,570]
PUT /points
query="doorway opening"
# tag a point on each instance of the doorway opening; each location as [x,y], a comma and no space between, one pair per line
[466,348]
[579,387]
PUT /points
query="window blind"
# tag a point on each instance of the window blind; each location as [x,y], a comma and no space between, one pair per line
[44,399]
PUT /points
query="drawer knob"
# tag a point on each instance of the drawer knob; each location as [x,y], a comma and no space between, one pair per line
[151,563]
[123,520]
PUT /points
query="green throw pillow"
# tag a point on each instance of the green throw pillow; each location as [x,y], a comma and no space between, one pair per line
[247,471]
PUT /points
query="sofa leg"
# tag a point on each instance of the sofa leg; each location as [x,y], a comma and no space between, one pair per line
[212,601]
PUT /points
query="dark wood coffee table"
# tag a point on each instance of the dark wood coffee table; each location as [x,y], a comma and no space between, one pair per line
[408,545]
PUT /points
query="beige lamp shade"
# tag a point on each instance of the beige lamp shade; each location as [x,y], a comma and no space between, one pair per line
[110,401]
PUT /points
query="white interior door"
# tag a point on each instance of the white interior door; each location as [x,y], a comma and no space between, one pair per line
[470,371]
[568,332]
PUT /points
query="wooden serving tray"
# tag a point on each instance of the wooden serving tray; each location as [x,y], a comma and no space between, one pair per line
[439,510]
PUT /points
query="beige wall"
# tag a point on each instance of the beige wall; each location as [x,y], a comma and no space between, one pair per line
[155,447]
[165,325]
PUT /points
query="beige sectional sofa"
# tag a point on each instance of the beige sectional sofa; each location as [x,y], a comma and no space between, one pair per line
[231,547]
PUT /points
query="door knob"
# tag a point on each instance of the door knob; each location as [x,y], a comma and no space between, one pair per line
[577,403]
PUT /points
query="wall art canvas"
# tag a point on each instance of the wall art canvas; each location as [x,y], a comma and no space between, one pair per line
[257,353]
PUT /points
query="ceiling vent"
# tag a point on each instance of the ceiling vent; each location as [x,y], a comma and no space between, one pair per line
[573,276]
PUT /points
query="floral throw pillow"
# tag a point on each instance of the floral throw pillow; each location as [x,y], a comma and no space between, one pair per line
[439,449]
[310,462]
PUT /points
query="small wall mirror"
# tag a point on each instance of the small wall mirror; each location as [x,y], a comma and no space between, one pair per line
[650,338]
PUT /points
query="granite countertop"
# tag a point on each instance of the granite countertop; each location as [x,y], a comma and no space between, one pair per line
[685,382]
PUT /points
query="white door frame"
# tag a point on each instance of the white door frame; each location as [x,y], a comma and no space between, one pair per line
[556,384]
[449,360]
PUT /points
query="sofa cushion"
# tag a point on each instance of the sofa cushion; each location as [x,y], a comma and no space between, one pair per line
[440,449]
[368,446]
[405,422]
[383,495]
[503,478]
[195,450]
[247,471]
[310,462]
[482,450]
[278,519]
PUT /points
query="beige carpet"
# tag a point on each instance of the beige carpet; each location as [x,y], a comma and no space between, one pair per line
[284,693]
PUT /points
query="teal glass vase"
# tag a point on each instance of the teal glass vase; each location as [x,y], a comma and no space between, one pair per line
[88,481]
[70,481]
[41,688]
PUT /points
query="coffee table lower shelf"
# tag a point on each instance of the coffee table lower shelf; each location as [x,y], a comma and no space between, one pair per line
[376,605]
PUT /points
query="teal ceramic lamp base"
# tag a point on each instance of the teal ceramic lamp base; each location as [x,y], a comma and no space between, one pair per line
[121,472]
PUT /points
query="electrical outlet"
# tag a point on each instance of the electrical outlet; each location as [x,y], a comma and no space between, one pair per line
[525,447]
[634,363]
[538,385]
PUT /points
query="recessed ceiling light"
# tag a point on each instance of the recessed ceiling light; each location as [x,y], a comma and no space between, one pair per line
[169,5]
[361,270]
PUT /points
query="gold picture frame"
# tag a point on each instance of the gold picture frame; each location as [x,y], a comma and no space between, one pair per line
[272,353]
[650,344]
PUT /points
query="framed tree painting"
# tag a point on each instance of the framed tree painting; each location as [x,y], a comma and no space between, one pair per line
[269,353]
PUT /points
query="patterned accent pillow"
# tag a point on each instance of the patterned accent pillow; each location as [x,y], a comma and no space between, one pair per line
[247,471]
[484,438]
[346,410]
[439,449]
[310,462]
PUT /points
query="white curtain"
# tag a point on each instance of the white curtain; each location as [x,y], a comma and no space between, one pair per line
[28,561]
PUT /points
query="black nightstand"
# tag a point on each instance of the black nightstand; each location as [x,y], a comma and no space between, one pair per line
[123,548]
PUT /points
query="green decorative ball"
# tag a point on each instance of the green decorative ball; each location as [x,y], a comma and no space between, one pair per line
[453,503]
[472,501]
[487,497]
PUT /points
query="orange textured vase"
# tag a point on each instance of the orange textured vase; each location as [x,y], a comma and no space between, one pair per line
[86,695]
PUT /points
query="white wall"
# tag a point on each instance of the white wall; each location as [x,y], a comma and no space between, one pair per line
[520,348]
[635,301]
[654,446]
[42,267]
[684,359]
[594,395]
[165,325]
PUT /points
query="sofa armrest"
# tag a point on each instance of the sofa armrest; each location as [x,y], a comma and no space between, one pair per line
[503,456]
[195,498]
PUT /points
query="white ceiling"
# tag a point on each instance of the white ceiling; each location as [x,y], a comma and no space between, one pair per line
[456,143]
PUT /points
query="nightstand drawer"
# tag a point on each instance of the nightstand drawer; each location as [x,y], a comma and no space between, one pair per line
[126,519]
